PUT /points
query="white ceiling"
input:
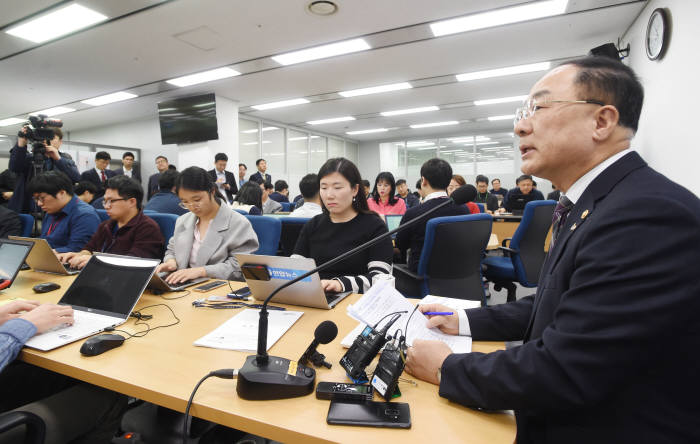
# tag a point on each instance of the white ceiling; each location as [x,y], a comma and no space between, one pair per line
[142,49]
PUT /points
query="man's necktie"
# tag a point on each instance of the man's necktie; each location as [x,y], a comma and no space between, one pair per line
[104,178]
[562,210]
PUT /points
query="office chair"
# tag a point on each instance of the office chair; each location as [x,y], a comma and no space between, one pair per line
[287,206]
[166,223]
[27,224]
[524,255]
[482,207]
[268,230]
[450,262]
[291,228]
[35,427]
[103,215]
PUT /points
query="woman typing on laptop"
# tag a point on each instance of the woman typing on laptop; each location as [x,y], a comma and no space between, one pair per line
[346,223]
[206,238]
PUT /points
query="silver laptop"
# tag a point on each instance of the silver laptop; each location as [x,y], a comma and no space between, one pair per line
[307,292]
[12,255]
[43,259]
[157,282]
[102,296]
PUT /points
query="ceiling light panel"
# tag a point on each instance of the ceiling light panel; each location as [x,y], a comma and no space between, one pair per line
[330,120]
[54,111]
[11,121]
[430,125]
[500,72]
[504,16]
[367,131]
[500,100]
[376,89]
[109,98]
[280,104]
[504,117]
[203,77]
[322,52]
[57,23]
[399,112]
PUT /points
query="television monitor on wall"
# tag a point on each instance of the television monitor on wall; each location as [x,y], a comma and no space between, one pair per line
[188,119]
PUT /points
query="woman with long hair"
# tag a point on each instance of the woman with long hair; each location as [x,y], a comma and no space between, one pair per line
[249,199]
[206,238]
[383,199]
[346,222]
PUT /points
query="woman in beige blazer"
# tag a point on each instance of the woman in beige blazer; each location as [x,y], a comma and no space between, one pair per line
[206,238]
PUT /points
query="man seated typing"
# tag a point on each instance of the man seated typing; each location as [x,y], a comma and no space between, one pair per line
[127,231]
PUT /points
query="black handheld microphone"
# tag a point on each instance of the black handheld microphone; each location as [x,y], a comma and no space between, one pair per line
[259,378]
[324,333]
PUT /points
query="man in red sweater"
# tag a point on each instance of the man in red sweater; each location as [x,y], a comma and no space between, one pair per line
[127,231]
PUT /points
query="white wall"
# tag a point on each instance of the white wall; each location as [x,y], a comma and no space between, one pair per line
[667,136]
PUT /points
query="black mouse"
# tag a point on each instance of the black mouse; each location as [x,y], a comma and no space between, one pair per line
[100,344]
[45,287]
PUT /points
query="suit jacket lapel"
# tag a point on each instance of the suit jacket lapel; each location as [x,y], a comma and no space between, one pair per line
[212,240]
[184,242]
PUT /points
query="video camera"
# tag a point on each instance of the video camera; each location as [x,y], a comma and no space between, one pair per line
[39,130]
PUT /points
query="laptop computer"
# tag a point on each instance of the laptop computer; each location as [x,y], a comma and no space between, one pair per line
[157,282]
[43,259]
[393,221]
[12,255]
[102,296]
[307,292]
[519,201]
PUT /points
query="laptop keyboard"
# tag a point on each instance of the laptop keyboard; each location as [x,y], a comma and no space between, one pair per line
[70,269]
[331,296]
[84,322]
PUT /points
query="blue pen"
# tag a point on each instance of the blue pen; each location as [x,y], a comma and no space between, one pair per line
[438,313]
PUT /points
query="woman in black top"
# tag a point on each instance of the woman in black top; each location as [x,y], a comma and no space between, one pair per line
[346,222]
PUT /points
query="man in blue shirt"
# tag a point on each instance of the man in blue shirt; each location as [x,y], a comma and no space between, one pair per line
[166,201]
[69,410]
[69,222]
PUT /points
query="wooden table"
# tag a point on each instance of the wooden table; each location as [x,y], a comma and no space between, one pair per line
[164,366]
[506,229]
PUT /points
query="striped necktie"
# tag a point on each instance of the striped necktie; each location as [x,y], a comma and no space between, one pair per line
[562,210]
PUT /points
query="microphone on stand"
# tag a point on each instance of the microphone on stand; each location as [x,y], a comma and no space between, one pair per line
[325,333]
[265,377]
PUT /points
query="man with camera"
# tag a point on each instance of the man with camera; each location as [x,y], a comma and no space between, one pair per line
[45,156]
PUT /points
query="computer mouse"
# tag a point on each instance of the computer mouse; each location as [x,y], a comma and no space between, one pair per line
[101,343]
[45,287]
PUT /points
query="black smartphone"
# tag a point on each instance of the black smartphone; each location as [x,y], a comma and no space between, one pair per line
[339,391]
[370,413]
[256,272]
[209,286]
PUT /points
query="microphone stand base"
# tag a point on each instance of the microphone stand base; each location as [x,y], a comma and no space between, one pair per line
[279,378]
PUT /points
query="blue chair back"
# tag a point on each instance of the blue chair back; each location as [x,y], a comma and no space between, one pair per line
[243,212]
[103,215]
[481,206]
[268,230]
[528,240]
[291,228]
[166,223]
[450,262]
[27,224]
[287,206]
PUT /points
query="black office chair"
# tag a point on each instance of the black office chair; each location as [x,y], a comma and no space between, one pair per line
[524,256]
[35,427]
[291,228]
[450,262]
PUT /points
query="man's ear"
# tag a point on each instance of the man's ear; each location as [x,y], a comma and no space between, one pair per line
[607,119]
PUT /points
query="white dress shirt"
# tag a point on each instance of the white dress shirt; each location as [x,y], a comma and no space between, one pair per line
[309,209]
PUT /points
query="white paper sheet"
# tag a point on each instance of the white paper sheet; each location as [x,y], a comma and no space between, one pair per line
[241,331]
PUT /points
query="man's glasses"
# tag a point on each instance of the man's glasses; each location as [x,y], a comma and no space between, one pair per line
[530,106]
[108,203]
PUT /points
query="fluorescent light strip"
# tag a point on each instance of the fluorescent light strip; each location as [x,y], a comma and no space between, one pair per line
[410,111]
[430,125]
[415,144]
[322,52]
[367,131]
[280,104]
[501,100]
[54,111]
[109,98]
[500,72]
[265,128]
[293,139]
[504,117]
[11,121]
[255,143]
[57,23]
[330,120]
[203,77]
[376,89]
[499,17]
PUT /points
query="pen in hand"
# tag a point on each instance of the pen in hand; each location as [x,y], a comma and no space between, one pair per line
[438,313]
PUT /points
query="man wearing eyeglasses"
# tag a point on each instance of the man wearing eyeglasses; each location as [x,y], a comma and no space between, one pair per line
[127,231]
[611,335]
[69,222]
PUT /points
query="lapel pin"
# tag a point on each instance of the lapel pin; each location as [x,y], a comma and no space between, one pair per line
[585,213]
[573,227]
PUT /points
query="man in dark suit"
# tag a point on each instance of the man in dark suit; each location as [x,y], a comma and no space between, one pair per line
[224,180]
[127,168]
[611,336]
[260,176]
[161,165]
[100,174]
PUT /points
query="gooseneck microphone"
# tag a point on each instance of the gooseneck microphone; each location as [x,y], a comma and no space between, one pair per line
[277,378]
[324,333]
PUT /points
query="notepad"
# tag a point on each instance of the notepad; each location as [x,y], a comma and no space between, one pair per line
[241,331]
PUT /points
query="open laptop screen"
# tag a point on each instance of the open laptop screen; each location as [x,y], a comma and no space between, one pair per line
[12,255]
[393,221]
[110,285]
